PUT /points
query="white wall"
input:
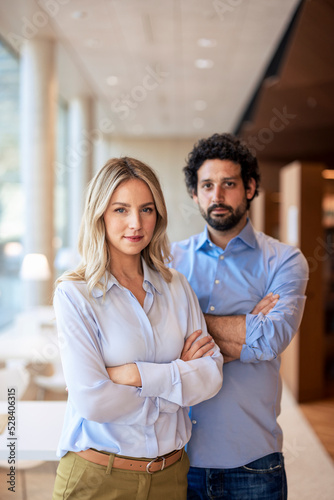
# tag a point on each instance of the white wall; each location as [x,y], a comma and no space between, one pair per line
[167,158]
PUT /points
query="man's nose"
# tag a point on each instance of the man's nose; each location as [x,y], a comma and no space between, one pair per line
[218,194]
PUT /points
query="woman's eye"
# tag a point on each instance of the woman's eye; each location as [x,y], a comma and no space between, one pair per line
[148,210]
[120,210]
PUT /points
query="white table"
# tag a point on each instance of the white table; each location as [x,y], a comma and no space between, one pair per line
[38,428]
[32,338]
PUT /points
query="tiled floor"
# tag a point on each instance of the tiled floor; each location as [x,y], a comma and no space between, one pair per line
[320,415]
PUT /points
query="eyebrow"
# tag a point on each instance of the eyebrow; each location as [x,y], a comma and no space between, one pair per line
[223,179]
[128,205]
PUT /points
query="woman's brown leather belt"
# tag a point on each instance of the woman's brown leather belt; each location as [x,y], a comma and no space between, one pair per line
[155,465]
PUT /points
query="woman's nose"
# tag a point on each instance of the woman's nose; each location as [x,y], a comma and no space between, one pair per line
[135,221]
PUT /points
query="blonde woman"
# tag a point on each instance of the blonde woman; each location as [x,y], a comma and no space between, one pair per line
[134,347]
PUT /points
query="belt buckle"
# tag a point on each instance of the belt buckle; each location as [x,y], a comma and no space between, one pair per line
[154,460]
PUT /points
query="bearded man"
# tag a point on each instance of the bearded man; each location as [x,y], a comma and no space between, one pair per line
[236,446]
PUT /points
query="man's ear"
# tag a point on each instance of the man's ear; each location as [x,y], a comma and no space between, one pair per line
[251,189]
[194,197]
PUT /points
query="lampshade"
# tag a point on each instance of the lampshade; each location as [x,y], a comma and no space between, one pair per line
[35,266]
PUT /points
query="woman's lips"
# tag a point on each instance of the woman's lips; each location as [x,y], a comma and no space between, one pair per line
[134,239]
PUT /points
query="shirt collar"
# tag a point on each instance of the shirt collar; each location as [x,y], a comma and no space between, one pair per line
[150,276]
[247,235]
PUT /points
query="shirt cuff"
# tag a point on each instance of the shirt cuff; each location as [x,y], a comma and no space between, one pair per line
[157,379]
[254,323]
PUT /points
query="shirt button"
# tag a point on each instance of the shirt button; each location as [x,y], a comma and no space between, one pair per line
[212,308]
[194,422]
[216,282]
[221,257]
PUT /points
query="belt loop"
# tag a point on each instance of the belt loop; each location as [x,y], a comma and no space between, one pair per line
[110,463]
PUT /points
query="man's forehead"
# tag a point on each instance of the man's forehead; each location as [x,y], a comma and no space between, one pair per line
[219,169]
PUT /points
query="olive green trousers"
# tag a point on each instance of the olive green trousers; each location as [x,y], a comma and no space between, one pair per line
[82,480]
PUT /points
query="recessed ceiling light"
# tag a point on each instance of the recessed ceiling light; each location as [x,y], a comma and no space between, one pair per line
[79,14]
[200,105]
[206,42]
[112,80]
[203,63]
[198,122]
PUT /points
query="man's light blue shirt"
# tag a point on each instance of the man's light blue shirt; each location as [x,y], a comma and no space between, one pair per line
[97,332]
[239,424]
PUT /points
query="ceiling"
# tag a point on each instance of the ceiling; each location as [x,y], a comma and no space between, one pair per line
[302,91]
[148,49]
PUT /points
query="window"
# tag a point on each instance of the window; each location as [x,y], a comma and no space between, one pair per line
[11,195]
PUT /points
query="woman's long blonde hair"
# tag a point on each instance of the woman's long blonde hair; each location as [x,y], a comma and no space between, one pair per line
[92,244]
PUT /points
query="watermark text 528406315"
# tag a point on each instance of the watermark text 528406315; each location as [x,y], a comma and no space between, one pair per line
[11,439]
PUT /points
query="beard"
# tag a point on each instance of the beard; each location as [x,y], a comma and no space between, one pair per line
[224,222]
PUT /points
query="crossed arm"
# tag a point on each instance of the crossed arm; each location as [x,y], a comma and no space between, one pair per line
[229,333]
[129,374]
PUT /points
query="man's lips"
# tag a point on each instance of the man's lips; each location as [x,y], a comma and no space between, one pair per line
[219,210]
[134,239]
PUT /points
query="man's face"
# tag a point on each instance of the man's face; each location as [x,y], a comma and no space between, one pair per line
[221,195]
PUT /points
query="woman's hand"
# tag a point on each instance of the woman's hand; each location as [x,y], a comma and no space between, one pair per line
[125,375]
[194,349]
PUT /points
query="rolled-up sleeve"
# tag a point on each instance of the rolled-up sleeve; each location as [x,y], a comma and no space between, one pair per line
[267,336]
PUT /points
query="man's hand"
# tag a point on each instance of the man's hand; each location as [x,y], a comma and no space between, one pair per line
[125,375]
[229,332]
[200,348]
[266,304]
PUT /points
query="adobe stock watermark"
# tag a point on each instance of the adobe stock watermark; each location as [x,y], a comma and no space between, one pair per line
[84,147]
[40,18]
[278,122]
[292,451]
[127,102]
[49,352]
[188,211]
[223,7]
[321,253]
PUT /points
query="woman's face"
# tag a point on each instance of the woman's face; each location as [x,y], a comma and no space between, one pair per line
[130,218]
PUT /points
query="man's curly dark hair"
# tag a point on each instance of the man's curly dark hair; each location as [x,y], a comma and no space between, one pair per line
[222,147]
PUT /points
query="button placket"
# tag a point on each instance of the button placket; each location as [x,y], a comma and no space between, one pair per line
[216,282]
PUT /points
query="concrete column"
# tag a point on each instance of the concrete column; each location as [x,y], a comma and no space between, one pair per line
[79,160]
[101,152]
[38,114]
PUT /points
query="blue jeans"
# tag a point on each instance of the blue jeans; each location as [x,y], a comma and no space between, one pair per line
[263,479]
